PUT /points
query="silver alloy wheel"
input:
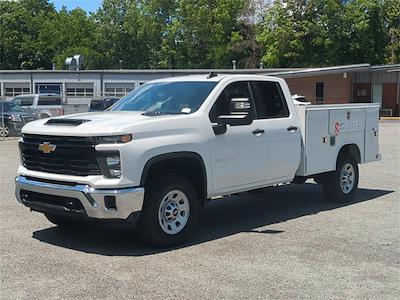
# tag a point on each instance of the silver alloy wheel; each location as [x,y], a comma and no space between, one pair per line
[4,131]
[347,178]
[173,212]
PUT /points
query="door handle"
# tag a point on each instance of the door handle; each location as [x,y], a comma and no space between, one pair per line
[258,131]
[291,128]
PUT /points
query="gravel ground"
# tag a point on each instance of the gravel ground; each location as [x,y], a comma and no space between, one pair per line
[279,243]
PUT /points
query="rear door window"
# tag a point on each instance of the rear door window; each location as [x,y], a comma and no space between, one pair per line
[269,100]
[49,101]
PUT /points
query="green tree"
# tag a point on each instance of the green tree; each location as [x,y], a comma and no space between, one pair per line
[392,20]
[246,49]
[280,34]
[21,23]
[366,33]
[199,34]
[297,33]
[124,33]
[69,33]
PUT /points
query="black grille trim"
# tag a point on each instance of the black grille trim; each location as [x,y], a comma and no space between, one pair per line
[44,202]
[72,156]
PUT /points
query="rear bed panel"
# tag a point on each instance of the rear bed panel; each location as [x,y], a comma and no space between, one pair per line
[327,128]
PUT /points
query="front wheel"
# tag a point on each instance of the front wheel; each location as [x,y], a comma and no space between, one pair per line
[170,211]
[341,185]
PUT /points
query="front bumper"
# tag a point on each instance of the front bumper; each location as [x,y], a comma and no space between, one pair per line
[78,199]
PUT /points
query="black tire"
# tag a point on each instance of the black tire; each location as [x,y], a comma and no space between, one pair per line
[62,221]
[299,180]
[319,179]
[336,192]
[156,191]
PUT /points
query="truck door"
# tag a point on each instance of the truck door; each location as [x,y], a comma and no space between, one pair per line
[238,157]
[281,130]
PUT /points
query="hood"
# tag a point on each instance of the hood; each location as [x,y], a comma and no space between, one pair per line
[91,123]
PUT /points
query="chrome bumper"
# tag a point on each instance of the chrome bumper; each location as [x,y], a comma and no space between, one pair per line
[127,200]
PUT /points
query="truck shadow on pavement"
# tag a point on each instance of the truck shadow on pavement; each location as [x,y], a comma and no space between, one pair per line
[224,217]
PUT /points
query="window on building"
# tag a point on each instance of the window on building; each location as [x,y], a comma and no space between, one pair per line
[15,91]
[48,88]
[118,89]
[319,93]
[74,92]
[361,93]
[269,100]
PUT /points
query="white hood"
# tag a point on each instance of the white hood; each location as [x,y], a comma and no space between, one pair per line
[101,123]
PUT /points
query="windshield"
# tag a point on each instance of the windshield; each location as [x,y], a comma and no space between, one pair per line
[11,107]
[166,97]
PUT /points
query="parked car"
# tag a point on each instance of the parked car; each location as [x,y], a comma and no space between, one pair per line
[48,105]
[169,146]
[14,118]
[102,104]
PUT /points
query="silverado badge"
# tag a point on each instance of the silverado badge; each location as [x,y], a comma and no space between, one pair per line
[47,148]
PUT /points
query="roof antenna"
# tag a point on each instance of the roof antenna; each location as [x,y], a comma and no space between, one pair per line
[211,75]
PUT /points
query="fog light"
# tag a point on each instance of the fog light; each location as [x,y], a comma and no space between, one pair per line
[110,203]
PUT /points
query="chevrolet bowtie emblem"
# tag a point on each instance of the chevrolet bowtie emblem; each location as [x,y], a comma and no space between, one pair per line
[47,148]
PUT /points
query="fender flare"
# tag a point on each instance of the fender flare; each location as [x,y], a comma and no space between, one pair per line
[174,155]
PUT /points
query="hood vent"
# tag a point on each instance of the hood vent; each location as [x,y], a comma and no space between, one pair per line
[66,122]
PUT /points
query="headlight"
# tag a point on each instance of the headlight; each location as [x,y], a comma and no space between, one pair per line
[114,166]
[110,164]
[16,118]
[114,139]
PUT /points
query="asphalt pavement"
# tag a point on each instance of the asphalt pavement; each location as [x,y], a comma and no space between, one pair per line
[279,243]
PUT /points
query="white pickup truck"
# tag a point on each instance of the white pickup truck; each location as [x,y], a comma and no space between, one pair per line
[156,157]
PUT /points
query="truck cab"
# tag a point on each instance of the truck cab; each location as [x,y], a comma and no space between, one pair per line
[160,153]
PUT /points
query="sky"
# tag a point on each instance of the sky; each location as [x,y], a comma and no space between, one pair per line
[88,5]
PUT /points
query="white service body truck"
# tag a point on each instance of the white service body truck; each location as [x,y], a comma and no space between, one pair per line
[155,157]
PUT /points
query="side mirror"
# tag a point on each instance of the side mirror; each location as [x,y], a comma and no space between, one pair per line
[240,113]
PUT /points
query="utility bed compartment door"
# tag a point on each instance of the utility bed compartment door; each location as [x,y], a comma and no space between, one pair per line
[318,153]
[346,122]
[371,135]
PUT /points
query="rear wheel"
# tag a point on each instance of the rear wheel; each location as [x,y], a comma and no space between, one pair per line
[170,211]
[341,185]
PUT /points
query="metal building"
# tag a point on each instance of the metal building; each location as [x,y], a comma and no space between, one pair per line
[338,84]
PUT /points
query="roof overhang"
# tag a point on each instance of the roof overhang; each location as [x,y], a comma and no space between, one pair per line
[323,71]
